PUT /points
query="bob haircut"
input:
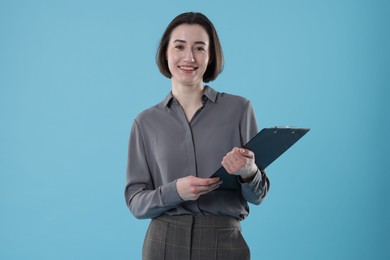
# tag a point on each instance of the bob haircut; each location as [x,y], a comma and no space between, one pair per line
[215,65]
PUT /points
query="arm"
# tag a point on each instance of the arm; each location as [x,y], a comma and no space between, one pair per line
[254,183]
[142,198]
[256,189]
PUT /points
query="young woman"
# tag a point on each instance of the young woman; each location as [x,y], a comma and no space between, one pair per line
[176,145]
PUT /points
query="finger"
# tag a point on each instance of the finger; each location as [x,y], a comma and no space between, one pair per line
[235,153]
[213,180]
[247,153]
[235,156]
[240,159]
[214,185]
[224,162]
[210,189]
[229,159]
[199,190]
[205,181]
[237,159]
[227,167]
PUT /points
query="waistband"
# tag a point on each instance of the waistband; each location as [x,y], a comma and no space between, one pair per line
[200,221]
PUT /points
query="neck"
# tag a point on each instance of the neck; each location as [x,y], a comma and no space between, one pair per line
[188,96]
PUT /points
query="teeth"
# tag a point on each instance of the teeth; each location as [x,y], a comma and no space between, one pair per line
[187,68]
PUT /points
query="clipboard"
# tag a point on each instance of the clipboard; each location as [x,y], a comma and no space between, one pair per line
[268,145]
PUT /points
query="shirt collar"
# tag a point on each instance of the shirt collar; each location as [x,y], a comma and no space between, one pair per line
[208,92]
[167,100]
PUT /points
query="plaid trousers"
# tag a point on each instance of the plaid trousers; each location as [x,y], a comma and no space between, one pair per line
[188,237]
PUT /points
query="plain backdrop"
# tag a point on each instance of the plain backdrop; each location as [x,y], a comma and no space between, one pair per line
[74,74]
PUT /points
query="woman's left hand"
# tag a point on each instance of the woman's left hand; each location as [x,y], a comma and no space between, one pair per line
[240,161]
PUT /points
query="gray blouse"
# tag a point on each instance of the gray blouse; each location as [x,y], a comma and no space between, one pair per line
[164,146]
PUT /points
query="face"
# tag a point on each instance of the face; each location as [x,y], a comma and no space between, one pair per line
[188,54]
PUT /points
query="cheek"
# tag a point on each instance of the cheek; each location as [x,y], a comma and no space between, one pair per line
[172,58]
[170,61]
[205,59]
[206,62]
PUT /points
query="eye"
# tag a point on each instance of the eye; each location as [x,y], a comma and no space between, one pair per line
[199,48]
[179,47]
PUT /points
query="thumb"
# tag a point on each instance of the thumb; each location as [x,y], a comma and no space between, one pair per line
[247,153]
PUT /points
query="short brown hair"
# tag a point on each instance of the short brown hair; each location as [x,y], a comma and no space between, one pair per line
[215,66]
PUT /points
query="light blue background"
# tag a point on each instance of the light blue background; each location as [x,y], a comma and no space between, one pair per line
[74,74]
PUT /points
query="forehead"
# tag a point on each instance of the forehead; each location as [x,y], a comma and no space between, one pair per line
[189,33]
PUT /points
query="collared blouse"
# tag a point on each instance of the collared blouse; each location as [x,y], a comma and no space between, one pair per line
[164,146]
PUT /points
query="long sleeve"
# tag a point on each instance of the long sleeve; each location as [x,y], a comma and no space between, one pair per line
[142,197]
[256,190]
[165,147]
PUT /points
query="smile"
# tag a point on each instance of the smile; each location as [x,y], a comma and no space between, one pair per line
[185,68]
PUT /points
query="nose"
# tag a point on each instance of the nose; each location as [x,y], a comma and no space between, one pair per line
[189,55]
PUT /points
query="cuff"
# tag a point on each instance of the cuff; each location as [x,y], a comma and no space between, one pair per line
[169,194]
[255,180]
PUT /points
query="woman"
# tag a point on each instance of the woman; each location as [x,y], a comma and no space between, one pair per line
[176,145]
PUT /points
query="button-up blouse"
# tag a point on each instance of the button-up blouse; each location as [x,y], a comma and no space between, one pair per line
[164,146]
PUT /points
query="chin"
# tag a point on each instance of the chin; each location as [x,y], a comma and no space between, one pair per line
[190,82]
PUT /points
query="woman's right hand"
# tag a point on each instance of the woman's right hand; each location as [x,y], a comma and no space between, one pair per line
[191,187]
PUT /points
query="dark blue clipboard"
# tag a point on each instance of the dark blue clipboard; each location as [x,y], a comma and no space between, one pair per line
[268,145]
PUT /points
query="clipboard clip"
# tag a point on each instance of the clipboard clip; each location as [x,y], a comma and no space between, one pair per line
[285,127]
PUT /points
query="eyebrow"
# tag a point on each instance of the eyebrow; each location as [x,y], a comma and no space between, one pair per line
[183,41]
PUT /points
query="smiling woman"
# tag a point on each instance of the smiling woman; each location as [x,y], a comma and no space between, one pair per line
[177,144]
[188,56]
[216,62]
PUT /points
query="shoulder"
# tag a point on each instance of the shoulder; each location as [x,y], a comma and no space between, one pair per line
[223,97]
[232,100]
[149,114]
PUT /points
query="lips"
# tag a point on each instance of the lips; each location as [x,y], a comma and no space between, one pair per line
[188,68]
